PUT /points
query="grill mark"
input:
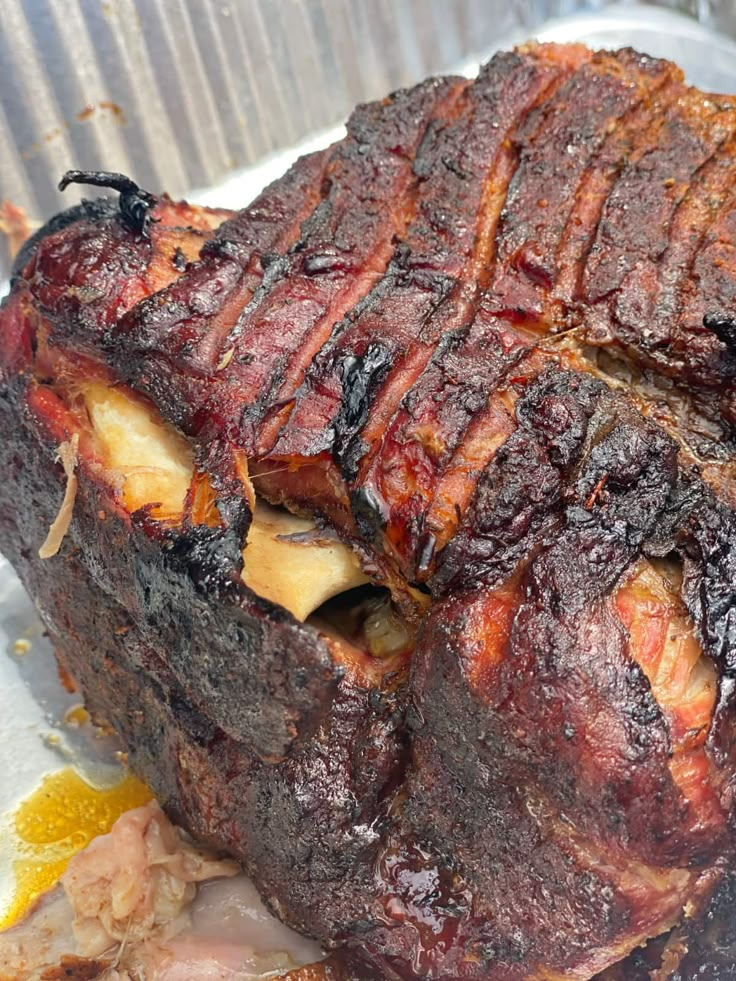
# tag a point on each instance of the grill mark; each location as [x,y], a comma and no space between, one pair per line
[171,345]
[437,293]
[541,197]
[344,250]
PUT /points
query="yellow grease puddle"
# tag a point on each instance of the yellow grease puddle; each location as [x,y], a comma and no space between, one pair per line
[57,821]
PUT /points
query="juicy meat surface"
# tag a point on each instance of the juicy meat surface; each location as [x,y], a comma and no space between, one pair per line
[487,341]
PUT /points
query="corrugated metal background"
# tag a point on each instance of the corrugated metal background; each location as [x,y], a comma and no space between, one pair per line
[181,93]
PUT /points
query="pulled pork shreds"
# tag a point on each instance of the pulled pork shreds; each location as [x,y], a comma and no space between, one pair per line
[126,910]
[135,879]
[68,455]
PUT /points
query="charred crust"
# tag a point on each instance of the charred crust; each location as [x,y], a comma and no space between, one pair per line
[361,375]
[723,326]
[483,807]
[134,203]
[97,210]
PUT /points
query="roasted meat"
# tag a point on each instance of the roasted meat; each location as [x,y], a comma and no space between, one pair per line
[391,523]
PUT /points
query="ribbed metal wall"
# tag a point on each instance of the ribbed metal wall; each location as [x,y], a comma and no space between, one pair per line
[179,93]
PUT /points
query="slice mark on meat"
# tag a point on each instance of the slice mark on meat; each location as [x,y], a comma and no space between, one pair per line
[440,442]
[343,251]
[458,312]
[638,127]
[183,333]
[449,403]
[640,218]
[432,283]
[664,331]
[576,124]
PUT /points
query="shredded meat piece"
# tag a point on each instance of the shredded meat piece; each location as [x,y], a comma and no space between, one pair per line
[144,902]
[68,457]
[134,880]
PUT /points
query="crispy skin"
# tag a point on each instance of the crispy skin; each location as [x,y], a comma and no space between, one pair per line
[89,270]
[184,332]
[341,250]
[547,779]
[639,268]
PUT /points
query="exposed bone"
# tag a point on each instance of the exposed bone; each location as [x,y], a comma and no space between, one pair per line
[154,462]
[297,575]
[154,465]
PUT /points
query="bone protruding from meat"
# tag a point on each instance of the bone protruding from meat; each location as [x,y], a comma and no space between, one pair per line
[153,466]
[295,574]
[154,463]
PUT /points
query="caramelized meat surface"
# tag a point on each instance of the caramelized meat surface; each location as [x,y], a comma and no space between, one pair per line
[397,538]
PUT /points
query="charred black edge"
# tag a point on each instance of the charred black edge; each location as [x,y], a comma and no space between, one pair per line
[724,327]
[135,204]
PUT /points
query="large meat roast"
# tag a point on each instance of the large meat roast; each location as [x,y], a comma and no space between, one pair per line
[390,519]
